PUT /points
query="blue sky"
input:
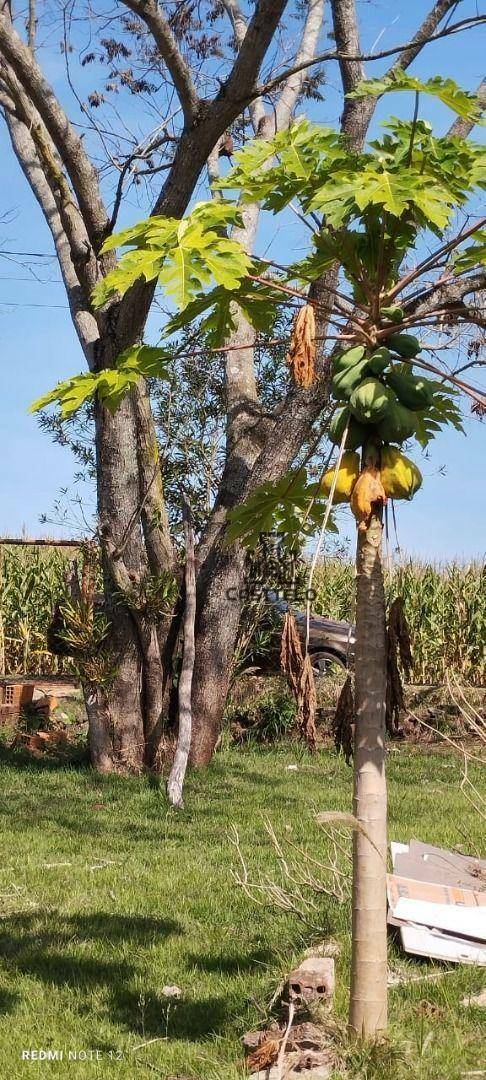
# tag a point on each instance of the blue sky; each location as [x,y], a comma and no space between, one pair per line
[38,345]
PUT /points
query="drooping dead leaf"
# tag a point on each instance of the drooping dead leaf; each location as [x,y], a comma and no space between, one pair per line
[398,646]
[300,677]
[291,655]
[343,720]
[307,702]
[301,356]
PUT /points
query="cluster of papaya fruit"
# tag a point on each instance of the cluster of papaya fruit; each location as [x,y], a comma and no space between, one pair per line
[381,402]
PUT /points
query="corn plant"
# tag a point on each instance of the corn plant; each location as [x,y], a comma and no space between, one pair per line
[31,581]
[445,606]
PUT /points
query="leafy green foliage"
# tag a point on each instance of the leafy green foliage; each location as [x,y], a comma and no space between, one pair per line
[302,152]
[443,411]
[471,256]
[258,302]
[290,507]
[183,256]
[446,90]
[110,384]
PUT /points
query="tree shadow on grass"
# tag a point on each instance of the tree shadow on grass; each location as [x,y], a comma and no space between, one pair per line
[231,965]
[45,929]
[76,758]
[42,945]
[8,1001]
[52,948]
[152,1015]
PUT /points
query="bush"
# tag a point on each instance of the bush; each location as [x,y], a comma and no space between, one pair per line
[265,717]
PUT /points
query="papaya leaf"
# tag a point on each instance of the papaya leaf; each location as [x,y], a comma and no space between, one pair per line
[259,304]
[110,384]
[443,411]
[446,90]
[471,256]
[291,508]
[183,256]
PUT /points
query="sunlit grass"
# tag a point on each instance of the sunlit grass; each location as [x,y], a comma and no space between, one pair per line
[107,896]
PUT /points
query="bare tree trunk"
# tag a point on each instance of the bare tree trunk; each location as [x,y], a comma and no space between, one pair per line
[118,498]
[100,734]
[368,1002]
[175,782]
[219,610]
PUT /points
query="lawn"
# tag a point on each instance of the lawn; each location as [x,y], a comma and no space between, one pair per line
[107,897]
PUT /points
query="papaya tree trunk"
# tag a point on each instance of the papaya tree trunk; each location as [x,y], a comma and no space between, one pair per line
[368,1000]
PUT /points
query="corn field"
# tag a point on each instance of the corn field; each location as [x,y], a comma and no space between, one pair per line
[31,581]
[445,607]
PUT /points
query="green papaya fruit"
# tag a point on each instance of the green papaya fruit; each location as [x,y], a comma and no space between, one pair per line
[397,425]
[404,344]
[379,360]
[348,359]
[413,391]
[394,314]
[370,401]
[344,382]
[357,432]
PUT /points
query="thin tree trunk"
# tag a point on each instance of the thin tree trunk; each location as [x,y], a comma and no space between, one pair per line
[175,782]
[368,1001]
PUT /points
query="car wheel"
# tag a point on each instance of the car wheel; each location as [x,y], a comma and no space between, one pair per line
[323,665]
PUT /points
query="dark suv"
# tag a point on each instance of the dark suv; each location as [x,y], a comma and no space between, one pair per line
[329,641]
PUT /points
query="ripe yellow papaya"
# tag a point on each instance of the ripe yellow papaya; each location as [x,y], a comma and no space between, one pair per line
[399,475]
[347,476]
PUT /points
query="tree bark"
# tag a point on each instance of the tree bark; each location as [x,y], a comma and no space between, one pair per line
[175,783]
[368,1001]
[118,497]
[219,610]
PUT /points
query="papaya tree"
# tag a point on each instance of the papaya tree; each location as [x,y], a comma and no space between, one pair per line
[397,218]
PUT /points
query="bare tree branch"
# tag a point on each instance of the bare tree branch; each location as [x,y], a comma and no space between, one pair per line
[448,298]
[292,87]
[68,144]
[335,54]
[354,120]
[196,144]
[31,24]
[261,28]
[27,156]
[358,112]
[151,14]
[240,27]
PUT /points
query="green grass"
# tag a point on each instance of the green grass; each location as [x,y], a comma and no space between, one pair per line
[146,899]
